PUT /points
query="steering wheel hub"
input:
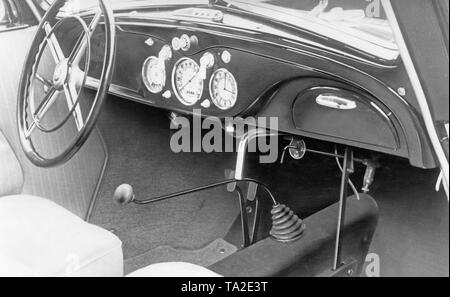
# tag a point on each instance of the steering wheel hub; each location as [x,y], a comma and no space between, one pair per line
[61,74]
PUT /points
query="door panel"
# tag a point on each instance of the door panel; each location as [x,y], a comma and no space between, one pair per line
[424,25]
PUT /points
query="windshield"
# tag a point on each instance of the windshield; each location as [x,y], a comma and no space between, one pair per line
[356,23]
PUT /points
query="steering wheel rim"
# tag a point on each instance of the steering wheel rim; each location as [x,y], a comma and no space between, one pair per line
[62,81]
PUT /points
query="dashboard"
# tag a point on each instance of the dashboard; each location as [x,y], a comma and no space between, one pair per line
[182,70]
[316,88]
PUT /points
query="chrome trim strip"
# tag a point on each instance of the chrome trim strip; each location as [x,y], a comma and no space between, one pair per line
[419,91]
[14,28]
[335,102]
[93,84]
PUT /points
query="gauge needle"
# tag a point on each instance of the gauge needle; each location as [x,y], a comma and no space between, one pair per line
[225,85]
[189,81]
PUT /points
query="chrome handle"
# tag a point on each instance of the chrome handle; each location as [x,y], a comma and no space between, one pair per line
[336,102]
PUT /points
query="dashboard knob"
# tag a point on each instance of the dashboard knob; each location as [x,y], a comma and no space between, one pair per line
[166,53]
[185,42]
[226,57]
[176,44]
[167,95]
[206,62]
[206,104]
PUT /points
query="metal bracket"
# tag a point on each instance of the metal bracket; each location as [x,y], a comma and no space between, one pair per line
[347,269]
[249,211]
[348,169]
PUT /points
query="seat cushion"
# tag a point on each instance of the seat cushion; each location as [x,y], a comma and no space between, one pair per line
[38,237]
[174,269]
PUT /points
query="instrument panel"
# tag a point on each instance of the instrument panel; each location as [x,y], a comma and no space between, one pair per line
[191,81]
[228,72]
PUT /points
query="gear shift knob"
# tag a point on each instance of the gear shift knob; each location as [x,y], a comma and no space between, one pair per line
[124,195]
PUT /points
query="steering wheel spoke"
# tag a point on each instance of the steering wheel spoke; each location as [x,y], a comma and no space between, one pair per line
[30,130]
[45,82]
[71,98]
[82,42]
[52,41]
[45,105]
[42,110]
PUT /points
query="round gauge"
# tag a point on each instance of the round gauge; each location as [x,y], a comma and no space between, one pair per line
[154,75]
[223,89]
[187,83]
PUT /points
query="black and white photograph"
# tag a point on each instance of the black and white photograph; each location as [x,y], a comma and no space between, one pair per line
[224,147]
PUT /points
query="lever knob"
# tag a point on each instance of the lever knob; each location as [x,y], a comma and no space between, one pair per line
[124,195]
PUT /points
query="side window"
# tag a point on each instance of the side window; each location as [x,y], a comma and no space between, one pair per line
[15,14]
[44,4]
[4,19]
[8,14]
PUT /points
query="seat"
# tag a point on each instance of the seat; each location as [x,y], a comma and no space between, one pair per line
[48,240]
[174,269]
[40,238]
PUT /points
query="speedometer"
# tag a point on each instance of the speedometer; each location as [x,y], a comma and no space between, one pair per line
[224,89]
[187,83]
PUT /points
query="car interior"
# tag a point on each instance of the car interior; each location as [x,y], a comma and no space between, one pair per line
[94,92]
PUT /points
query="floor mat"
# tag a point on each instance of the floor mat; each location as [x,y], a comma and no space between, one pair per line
[210,254]
[138,138]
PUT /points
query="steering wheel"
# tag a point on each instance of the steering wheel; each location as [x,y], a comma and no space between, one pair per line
[67,77]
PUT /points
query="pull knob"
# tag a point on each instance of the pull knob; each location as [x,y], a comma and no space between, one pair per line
[123,195]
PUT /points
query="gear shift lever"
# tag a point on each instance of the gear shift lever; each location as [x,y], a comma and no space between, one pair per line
[124,195]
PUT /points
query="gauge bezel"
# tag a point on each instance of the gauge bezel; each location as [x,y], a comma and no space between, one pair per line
[174,86]
[211,93]
[147,81]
